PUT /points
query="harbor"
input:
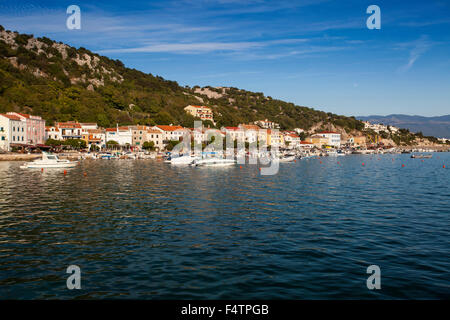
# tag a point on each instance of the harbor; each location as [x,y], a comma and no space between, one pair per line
[145,229]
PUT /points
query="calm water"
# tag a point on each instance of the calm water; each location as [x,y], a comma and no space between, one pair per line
[143,229]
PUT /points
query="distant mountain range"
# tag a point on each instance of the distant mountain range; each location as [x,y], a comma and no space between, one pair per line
[429,126]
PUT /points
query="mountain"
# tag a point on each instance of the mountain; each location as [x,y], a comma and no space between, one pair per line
[429,126]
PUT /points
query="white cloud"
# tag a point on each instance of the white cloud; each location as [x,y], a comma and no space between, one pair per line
[417,49]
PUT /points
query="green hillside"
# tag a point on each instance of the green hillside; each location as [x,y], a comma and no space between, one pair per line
[60,83]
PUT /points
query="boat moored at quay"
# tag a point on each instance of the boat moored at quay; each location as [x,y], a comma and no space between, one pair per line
[49,161]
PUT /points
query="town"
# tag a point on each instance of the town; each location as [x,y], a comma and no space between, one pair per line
[21,132]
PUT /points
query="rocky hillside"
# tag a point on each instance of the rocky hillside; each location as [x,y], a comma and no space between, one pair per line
[61,83]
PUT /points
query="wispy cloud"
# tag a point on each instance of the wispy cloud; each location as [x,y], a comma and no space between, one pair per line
[417,49]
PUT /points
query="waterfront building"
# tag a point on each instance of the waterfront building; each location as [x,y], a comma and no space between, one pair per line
[202,112]
[139,135]
[85,126]
[234,133]
[35,128]
[122,135]
[317,140]
[52,133]
[12,131]
[274,138]
[198,135]
[334,138]
[95,137]
[70,130]
[170,132]
[291,139]
[250,132]
[155,136]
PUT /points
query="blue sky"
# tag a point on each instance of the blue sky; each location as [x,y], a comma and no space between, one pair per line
[316,53]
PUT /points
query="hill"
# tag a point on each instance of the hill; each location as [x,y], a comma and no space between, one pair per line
[61,83]
[429,126]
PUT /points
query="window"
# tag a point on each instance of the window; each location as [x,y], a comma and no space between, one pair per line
[14,129]
[14,138]
[3,138]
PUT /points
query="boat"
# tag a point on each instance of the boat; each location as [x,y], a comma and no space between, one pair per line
[340,153]
[214,161]
[181,160]
[421,156]
[287,159]
[49,161]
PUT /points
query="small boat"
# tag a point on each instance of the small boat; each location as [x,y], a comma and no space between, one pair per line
[49,161]
[216,162]
[182,160]
[287,159]
[421,156]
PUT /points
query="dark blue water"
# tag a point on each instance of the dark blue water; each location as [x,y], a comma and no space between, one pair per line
[143,229]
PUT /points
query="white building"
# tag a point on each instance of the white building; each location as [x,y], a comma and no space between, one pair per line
[334,138]
[292,140]
[171,133]
[52,133]
[88,126]
[122,135]
[12,131]
[250,131]
[70,130]
[35,128]
[266,124]
[234,133]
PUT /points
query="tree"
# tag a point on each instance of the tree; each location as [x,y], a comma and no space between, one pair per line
[75,143]
[53,142]
[148,145]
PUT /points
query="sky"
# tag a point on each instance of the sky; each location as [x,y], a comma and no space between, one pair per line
[315,53]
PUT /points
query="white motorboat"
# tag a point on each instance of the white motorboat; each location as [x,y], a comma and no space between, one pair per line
[49,161]
[182,160]
[287,159]
[216,162]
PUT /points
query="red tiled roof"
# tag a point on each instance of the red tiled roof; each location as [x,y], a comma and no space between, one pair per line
[68,125]
[170,128]
[11,117]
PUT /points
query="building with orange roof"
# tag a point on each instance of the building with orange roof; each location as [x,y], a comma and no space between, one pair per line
[291,139]
[334,138]
[155,136]
[12,131]
[35,127]
[70,130]
[122,135]
[52,132]
[202,112]
[171,132]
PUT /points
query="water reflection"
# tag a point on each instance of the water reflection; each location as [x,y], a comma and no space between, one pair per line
[143,229]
